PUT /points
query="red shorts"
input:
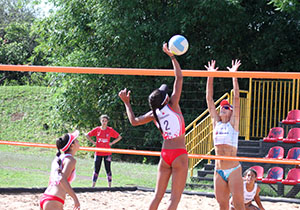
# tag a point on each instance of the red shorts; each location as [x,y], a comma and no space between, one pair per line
[169,155]
[46,197]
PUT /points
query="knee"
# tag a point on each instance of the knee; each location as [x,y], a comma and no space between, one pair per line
[238,204]
[238,200]
[158,196]
[223,203]
[96,169]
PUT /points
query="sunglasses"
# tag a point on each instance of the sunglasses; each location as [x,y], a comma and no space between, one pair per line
[226,107]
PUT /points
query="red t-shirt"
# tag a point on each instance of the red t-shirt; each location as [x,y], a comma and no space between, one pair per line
[103,138]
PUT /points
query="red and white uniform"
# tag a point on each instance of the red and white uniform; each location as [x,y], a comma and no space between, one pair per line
[55,177]
[103,138]
[171,122]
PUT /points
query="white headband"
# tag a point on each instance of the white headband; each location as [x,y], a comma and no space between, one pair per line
[66,147]
[164,99]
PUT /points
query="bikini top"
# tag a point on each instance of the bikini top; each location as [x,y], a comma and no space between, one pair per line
[55,176]
[224,133]
[249,196]
[171,122]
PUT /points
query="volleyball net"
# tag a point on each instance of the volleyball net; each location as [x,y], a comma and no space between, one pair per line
[152,72]
[121,167]
[153,153]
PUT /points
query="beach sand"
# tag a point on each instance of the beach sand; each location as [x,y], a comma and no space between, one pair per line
[124,200]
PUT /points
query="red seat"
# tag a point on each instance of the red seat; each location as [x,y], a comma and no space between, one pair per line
[294,153]
[293,177]
[274,175]
[275,134]
[260,172]
[276,152]
[293,136]
[293,117]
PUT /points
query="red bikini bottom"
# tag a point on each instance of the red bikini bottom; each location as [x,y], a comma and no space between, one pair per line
[169,155]
[46,197]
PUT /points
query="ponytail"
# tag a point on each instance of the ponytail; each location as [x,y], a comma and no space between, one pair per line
[156,101]
[156,118]
[58,146]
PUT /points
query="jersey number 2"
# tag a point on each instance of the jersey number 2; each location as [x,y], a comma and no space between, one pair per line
[166,123]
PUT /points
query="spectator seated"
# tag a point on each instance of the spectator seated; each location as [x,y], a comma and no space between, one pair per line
[275,134]
[293,177]
[274,175]
[293,136]
[293,117]
[276,152]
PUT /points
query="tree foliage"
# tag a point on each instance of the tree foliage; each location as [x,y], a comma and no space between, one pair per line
[286,5]
[17,42]
[130,33]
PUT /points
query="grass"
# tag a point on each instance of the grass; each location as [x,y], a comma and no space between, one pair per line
[23,112]
[32,169]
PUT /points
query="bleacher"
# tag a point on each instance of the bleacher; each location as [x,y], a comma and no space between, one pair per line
[281,143]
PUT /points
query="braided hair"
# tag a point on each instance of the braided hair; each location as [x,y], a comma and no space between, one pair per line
[60,143]
[155,99]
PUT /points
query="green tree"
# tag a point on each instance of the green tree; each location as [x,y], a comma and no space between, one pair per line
[130,33]
[286,5]
[16,40]
[15,11]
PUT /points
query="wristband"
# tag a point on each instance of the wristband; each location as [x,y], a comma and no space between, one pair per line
[172,57]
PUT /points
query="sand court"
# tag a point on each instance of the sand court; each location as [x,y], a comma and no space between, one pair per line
[124,200]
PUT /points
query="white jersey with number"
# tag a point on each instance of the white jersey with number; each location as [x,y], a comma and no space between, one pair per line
[171,122]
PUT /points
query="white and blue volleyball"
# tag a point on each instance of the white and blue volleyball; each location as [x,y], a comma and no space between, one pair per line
[178,45]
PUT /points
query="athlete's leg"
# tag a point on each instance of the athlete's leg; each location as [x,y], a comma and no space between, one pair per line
[163,176]
[179,174]
[251,207]
[231,207]
[98,160]
[221,192]
[107,163]
[235,183]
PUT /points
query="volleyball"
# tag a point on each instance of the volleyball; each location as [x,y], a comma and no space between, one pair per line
[178,45]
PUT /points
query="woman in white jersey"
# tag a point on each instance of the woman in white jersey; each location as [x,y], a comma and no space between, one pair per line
[251,191]
[62,174]
[166,114]
[228,174]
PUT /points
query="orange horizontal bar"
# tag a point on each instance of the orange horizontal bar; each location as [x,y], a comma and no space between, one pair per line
[151,72]
[151,153]
[90,149]
[247,159]
[121,151]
